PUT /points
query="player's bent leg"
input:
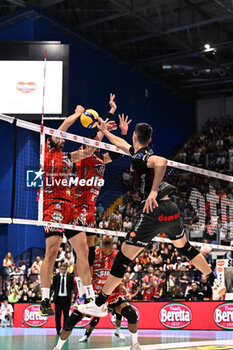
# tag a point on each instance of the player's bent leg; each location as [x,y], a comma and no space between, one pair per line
[119,267]
[199,261]
[126,310]
[118,332]
[89,329]
[79,243]
[69,325]
[52,245]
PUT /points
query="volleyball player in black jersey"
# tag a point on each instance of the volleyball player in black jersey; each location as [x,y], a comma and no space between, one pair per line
[158,214]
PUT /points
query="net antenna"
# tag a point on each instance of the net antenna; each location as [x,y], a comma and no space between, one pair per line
[42,144]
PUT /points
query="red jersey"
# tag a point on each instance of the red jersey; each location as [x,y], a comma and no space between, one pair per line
[101,269]
[91,168]
[58,171]
[152,291]
[130,286]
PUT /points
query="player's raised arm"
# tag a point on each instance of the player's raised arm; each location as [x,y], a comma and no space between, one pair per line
[72,118]
[117,141]
[159,164]
[124,126]
[82,152]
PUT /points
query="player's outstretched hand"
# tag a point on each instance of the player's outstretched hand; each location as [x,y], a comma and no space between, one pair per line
[111,125]
[102,126]
[79,110]
[151,203]
[112,103]
[124,124]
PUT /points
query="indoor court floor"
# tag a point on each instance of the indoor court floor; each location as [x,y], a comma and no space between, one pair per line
[45,339]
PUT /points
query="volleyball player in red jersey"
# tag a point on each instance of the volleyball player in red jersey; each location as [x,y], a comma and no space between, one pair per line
[117,303]
[57,207]
[84,197]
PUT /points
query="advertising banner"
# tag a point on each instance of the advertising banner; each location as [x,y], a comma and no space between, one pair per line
[208,315]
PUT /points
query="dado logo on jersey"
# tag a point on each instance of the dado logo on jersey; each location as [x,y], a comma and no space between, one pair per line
[124,322]
[32,316]
[26,87]
[223,316]
[175,315]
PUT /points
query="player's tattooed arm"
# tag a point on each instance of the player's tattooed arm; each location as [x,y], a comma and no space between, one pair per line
[159,164]
[72,118]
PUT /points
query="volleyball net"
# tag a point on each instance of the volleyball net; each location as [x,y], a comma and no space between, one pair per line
[36,191]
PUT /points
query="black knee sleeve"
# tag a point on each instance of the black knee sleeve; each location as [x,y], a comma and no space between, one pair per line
[91,255]
[118,317]
[120,265]
[189,251]
[130,314]
[94,321]
[71,321]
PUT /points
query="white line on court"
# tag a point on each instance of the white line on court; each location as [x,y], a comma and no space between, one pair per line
[176,345]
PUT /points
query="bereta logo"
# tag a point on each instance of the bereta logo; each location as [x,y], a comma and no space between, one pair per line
[220,269]
[221,263]
[124,322]
[26,87]
[223,316]
[32,316]
[84,322]
[175,315]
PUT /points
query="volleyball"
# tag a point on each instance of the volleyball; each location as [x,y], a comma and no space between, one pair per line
[89,118]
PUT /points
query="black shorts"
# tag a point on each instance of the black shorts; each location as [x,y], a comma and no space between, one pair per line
[164,219]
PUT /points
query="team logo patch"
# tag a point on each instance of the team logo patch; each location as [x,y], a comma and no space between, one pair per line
[139,156]
[132,234]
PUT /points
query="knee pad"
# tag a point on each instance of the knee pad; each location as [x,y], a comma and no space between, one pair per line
[91,255]
[130,314]
[120,265]
[94,321]
[71,321]
[189,251]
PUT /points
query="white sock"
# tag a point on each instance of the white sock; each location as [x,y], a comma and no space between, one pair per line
[118,330]
[60,343]
[45,293]
[134,337]
[89,291]
[79,286]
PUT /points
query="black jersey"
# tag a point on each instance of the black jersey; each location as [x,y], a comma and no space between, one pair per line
[142,174]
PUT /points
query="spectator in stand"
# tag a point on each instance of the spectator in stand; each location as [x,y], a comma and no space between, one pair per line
[100,208]
[7,264]
[36,266]
[22,266]
[144,257]
[127,224]
[205,288]
[194,293]
[17,274]
[178,265]
[131,287]
[104,223]
[23,293]
[69,259]
[31,293]
[6,314]
[60,256]
[127,199]
[13,292]
[184,280]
